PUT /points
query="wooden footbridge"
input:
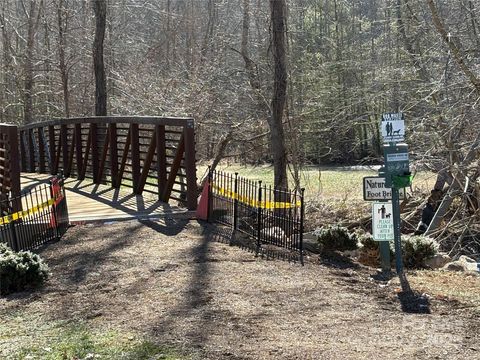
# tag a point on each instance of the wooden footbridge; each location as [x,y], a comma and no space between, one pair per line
[116,167]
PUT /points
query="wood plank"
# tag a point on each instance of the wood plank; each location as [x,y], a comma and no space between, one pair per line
[147,163]
[135,156]
[68,170]
[148,120]
[23,152]
[94,150]
[41,149]
[81,176]
[190,167]
[103,158]
[161,160]
[51,146]
[64,142]
[87,201]
[57,157]
[78,148]
[31,151]
[174,169]
[113,153]
[124,158]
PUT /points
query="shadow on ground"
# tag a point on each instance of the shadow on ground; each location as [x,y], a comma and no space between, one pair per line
[412,301]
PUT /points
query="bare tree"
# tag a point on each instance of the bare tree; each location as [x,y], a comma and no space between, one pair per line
[33,16]
[62,19]
[100,9]
[277,137]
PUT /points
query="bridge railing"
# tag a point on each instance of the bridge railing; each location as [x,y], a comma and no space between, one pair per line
[44,216]
[148,154]
[9,162]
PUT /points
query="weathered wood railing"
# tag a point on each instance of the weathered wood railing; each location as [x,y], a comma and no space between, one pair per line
[9,161]
[151,154]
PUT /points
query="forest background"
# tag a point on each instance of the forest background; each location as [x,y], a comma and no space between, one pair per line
[347,63]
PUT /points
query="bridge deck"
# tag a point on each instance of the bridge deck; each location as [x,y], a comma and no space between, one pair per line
[93,202]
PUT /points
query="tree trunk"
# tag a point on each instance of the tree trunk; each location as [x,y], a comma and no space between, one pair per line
[277,137]
[62,27]
[28,83]
[8,73]
[100,9]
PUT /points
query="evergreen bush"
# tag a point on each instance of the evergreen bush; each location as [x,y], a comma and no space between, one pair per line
[416,249]
[365,241]
[335,237]
[19,270]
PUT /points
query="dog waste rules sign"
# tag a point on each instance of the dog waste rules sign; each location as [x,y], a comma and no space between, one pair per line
[382,221]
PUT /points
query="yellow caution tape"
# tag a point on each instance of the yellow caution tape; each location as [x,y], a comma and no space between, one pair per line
[26,213]
[264,204]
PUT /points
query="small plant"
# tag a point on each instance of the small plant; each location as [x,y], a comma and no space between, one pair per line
[4,248]
[335,237]
[416,249]
[365,241]
[19,270]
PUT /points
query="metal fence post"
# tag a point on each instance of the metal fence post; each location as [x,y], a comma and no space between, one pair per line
[54,208]
[259,216]
[15,243]
[235,203]
[302,216]
[209,197]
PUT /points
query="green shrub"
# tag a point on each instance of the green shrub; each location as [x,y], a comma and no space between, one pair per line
[335,237]
[365,241]
[4,248]
[19,270]
[416,249]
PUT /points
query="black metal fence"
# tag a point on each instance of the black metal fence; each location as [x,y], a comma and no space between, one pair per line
[38,215]
[267,215]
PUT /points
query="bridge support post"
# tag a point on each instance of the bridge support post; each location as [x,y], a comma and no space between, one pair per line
[10,170]
[161,160]
[31,151]
[94,147]
[191,172]
[51,147]
[135,144]
[64,145]
[113,154]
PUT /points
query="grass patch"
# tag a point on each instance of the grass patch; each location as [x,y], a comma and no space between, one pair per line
[77,341]
[329,183]
[461,287]
[332,194]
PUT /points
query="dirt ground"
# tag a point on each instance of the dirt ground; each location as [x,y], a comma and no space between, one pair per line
[172,282]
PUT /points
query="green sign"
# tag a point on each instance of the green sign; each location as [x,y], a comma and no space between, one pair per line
[396,162]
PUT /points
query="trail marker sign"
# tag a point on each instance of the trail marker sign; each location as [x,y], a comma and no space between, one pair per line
[393,127]
[382,221]
[375,189]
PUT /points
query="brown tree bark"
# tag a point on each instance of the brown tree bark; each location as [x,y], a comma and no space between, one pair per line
[249,64]
[277,136]
[62,27]
[8,72]
[32,24]
[100,9]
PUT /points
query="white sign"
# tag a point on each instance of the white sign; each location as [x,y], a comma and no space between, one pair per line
[393,127]
[397,157]
[382,221]
[374,189]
